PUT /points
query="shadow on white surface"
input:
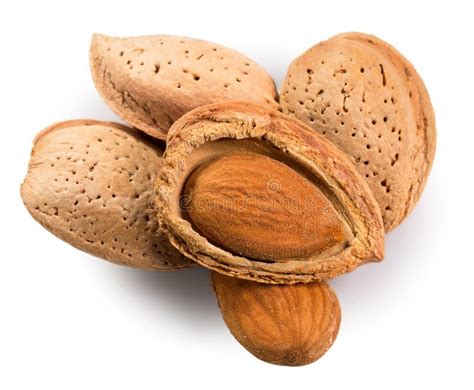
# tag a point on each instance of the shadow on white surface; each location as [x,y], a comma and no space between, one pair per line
[377,287]
[91,105]
[185,294]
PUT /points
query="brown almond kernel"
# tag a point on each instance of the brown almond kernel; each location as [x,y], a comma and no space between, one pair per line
[290,325]
[260,208]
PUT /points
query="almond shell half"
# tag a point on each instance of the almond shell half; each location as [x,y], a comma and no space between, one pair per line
[213,130]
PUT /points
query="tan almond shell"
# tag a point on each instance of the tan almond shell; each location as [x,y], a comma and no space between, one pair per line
[366,98]
[150,81]
[245,121]
[90,183]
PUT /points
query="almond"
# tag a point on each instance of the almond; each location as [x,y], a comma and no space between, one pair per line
[237,202]
[253,193]
[366,98]
[290,325]
[150,81]
[91,184]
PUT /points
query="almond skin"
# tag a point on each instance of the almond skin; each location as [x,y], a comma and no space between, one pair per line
[289,325]
[150,81]
[90,183]
[260,208]
[367,99]
[288,151]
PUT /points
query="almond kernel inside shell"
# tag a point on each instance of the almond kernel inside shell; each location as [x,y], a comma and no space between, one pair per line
[260,208]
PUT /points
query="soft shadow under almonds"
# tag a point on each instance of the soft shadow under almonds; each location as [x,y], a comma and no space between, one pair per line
[188,290]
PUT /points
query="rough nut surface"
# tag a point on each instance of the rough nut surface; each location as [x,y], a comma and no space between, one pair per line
[91,184]
[260,208]
[365,97]
[150,81]
[221,142]
[288,325]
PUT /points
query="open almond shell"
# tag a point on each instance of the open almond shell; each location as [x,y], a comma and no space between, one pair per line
[215,130]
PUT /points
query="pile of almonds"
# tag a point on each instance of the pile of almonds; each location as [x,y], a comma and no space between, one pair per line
[274,193]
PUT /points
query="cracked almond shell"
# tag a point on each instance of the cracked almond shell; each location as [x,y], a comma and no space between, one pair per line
[366,98]
[150,81]
[90,183]
[216,131]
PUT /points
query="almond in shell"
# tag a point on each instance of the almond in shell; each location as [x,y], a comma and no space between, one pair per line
[150,81]
[90,183]
[253,193]
[366,98]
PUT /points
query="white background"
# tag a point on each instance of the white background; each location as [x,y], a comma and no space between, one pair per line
[69,321]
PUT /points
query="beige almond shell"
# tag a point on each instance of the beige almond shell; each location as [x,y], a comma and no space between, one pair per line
[150,81]
[90,183]
[192,140]
[366,98]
